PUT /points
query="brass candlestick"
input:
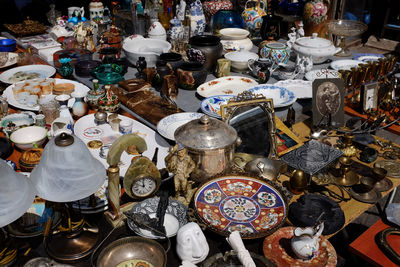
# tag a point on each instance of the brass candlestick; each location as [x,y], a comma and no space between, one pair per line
[347,178]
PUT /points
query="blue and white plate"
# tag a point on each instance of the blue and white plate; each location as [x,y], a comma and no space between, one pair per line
[365,57]
[281,96]
[167,126]
[212,105]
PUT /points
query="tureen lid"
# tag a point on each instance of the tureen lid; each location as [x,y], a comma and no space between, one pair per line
[205,133]
[313,41]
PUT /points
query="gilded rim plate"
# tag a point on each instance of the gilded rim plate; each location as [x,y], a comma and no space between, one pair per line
[229,85]
[168,125]
[45,71]
[281,96]
[212,105]
[232,202]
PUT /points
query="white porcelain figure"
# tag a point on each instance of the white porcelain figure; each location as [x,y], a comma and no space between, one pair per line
[191,244]
[305,242]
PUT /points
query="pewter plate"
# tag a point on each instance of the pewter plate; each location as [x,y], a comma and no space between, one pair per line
[312,157]
[392,167]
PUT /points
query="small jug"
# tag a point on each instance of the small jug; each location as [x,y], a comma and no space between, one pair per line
[305,242]
[256,65]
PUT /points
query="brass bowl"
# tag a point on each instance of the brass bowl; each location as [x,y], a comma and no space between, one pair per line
[379,173]
[132,250]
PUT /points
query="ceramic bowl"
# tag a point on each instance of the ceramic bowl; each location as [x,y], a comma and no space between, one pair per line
[135,47]
[175,216]
[212,105]
[234,33]
[29,137]
[239,59]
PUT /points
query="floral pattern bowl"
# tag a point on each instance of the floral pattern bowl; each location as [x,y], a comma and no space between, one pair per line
[212,105]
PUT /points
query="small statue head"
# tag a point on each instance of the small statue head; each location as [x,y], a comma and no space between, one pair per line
[191,243]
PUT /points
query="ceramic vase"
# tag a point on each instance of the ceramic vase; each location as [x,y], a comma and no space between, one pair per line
[315,17]
[226,19]
[276,52]
[79,108]
[252,15]
[175,31]
[191,75]
[173,60]
[109,102]
[65,69]
[197,18]
[305,242]
[213,6]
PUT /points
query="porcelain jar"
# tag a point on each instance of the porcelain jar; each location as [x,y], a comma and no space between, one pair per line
[96,10]
[319,49]
[252,15]
[197,18]
[276,52]
[175,30]
[93,96]
[305,242]
[157,31]
[109,102]
[213,6]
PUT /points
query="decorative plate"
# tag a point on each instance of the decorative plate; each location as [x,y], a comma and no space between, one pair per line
[312,157]
[345,64]
[24,118]
[229,85]
[175,217]
[152,139]
[240,202]
[212,105]
[167,126]
[12,59]
[38,71]
[93,132]
[321,74]
[300,88]
[9,95]
[367,57]
[281,96]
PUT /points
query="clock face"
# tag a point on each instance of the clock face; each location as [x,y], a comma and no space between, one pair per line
[144,187]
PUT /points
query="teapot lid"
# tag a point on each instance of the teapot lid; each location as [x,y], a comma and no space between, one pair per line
[313,41]
[205,133]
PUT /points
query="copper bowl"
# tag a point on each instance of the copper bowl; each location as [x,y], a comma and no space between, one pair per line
[379,173]
[132,250]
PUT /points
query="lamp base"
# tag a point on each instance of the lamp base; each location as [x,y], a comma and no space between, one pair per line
[120,221]
[71,247]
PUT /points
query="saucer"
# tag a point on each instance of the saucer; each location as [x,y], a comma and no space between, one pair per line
[371,197]
[383,185]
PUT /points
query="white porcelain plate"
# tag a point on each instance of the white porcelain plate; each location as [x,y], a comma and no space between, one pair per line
[345,64]
[229,85]
[281,96]
[9,95]
[39,71]
[212,105]
[12,59]
[167,126]
[108,136]
[367,57]
[300,88]
[321,74]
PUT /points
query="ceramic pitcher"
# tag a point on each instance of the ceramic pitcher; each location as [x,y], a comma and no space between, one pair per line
[305,242]
[253,13]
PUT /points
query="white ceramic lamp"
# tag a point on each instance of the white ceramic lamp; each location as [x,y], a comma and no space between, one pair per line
[67,170]
[17,194]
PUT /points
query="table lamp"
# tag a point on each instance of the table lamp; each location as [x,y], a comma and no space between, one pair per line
[68,172]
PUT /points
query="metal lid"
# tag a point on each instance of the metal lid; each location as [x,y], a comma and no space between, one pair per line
[205,133]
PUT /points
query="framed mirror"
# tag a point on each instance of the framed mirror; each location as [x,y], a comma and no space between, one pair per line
[252,116]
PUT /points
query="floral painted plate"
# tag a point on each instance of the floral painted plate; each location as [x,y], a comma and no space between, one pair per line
[212,105]
[175,217]
[167,126]
[367,57]
[233,202]
[229,85]
[300,88]
[345,64]
[281,96]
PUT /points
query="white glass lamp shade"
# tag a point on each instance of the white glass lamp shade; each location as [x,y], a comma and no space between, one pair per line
[67,172]
[16,194]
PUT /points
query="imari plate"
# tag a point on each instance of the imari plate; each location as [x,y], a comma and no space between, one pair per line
[233,202]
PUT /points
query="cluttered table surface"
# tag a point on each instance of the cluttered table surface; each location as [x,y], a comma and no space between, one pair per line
[189,101]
